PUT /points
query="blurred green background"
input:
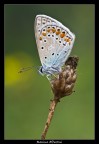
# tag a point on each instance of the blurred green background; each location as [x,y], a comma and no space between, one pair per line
[27,95]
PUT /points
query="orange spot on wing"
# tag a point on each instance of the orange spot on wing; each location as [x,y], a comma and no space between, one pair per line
[48,30]
[40,38]
[44,33]
[68,40]
[57,32]
[53,30]
[62,35]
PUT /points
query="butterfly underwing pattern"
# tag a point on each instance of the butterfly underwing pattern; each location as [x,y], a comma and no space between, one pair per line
[54,44]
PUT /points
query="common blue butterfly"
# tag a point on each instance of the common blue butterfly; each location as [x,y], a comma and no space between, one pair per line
[54,44]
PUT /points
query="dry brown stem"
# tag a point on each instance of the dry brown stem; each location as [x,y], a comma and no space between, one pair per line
[62,86]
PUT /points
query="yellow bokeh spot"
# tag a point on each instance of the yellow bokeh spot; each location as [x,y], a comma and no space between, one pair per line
[12,65]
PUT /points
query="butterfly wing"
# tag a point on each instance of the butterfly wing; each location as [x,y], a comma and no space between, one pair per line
[54,41]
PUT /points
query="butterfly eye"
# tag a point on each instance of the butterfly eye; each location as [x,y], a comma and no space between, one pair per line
[42,47]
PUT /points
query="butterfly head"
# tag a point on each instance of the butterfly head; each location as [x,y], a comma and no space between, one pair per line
[44,70]
[40,70]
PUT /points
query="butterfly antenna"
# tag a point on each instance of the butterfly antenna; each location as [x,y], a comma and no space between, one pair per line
[26,69]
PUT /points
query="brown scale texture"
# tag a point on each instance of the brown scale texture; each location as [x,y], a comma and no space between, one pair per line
[63,84]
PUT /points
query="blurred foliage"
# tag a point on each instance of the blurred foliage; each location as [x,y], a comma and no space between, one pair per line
[27,95]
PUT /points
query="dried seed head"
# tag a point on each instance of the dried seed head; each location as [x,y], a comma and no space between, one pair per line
[72,61]
[64,83]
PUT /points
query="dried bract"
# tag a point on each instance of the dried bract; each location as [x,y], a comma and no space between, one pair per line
[63,84]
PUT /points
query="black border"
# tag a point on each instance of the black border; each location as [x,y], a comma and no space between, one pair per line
[2,95]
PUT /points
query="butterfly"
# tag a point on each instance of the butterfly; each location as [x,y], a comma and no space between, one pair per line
[54,43]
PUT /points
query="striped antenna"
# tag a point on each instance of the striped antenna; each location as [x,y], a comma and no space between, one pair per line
[26,69]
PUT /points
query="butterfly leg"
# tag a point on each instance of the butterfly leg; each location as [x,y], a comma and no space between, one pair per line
[54,75]
[48,77]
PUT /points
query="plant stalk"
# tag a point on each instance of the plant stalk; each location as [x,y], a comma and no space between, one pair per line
[49,118]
